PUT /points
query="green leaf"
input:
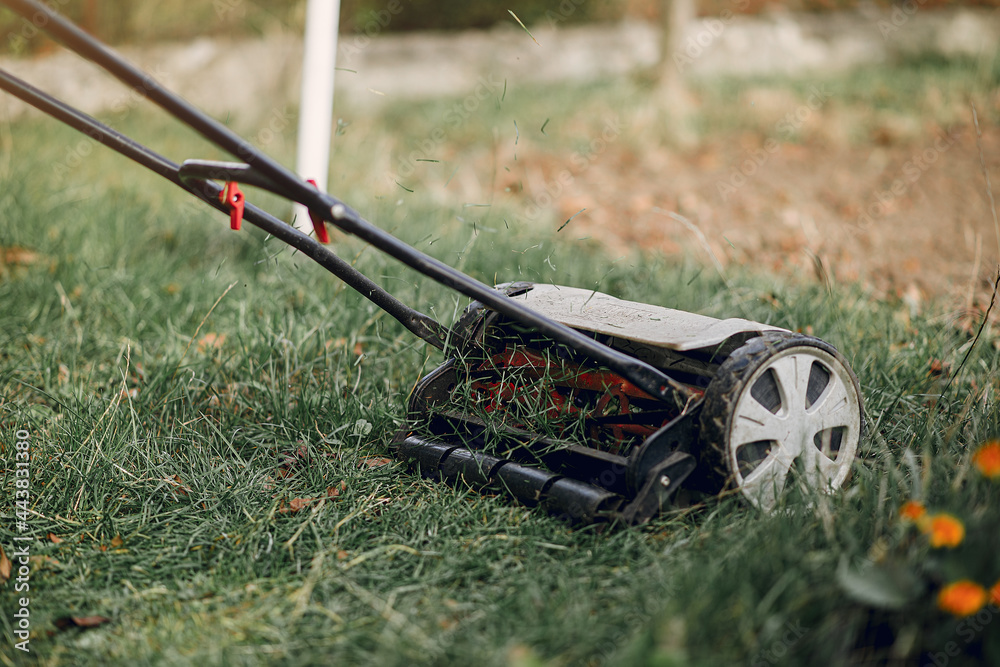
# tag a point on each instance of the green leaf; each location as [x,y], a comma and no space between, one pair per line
[879,586]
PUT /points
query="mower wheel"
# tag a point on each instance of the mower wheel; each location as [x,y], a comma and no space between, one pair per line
[782,407]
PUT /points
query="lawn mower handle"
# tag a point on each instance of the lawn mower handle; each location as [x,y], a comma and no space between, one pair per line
[286,184]
[208,191]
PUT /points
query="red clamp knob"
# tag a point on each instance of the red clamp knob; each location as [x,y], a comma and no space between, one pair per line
[318,223]
[233,198]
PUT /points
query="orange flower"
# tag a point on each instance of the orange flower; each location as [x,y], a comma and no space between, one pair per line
[995,594]
[962,598]
[987,459]
[945,531]
[912,510]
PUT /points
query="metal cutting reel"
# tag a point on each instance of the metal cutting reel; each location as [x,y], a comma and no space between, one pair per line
[757,407]
[597,408]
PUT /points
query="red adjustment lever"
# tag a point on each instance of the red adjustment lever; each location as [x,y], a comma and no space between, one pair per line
[318,223]
[233,198]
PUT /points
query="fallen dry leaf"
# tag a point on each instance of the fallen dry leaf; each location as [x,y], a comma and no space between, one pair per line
[211,340]
[15,255]
[54,539]
[5,567]
[178,485]
[38,562]
[84,622]
[292,461]
[939,368]
[374,462]
[296,504]
[117,541]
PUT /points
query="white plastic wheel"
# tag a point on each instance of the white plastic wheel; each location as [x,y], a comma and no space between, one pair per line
[786,408]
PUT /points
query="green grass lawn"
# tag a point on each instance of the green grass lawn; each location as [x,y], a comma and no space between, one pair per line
[182,386]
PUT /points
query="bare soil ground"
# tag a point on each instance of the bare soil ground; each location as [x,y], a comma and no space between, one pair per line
[905,209]
[911,219]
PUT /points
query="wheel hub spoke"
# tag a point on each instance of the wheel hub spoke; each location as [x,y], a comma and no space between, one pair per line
[820,470]
[754,423]
[804,409]
[832,408]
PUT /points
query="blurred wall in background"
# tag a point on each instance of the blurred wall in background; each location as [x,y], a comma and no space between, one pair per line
[242,59]
[138,22]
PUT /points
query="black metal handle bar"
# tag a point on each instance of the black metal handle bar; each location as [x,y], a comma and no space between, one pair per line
[287,184]
[416,322]
[192,170]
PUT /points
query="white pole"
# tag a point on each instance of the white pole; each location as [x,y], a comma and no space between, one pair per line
[316,100]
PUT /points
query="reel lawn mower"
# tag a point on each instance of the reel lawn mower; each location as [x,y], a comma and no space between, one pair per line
[593,407]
